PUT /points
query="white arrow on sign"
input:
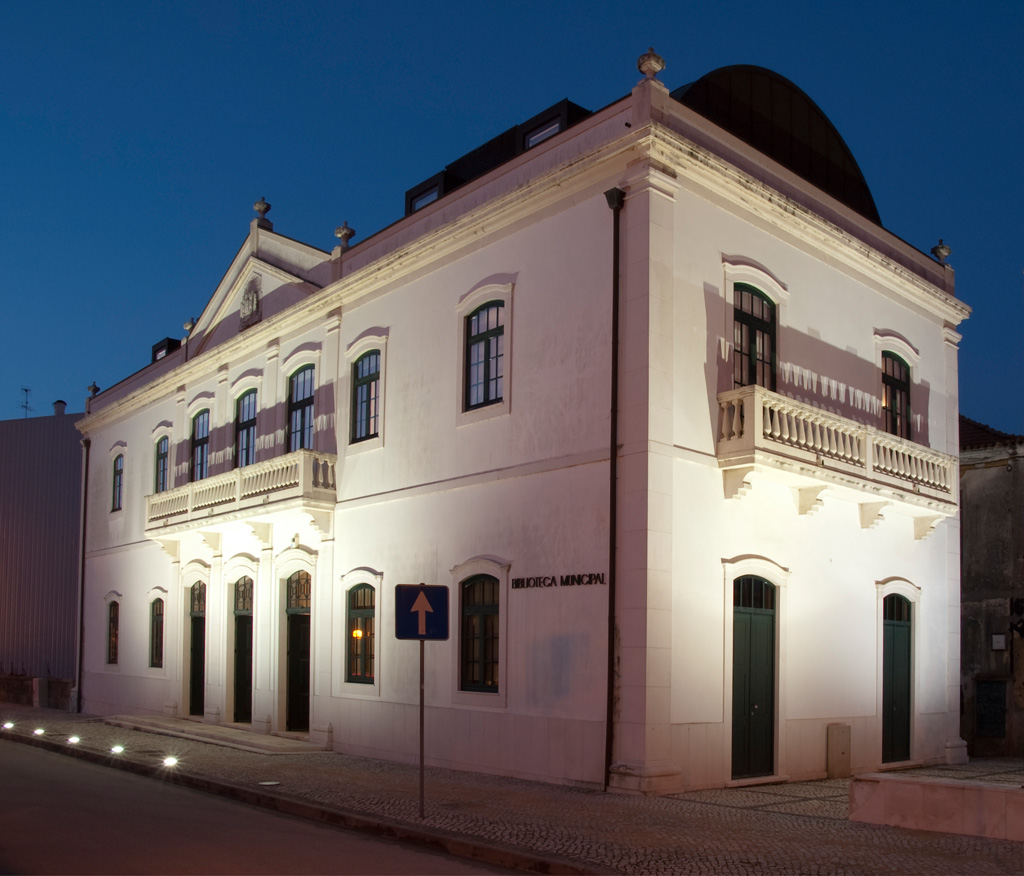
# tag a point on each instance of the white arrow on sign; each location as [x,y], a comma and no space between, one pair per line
[422,606]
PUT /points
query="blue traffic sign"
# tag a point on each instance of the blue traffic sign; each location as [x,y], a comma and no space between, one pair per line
[421,612]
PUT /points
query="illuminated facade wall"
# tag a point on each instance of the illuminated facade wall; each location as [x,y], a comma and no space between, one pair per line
[797,484]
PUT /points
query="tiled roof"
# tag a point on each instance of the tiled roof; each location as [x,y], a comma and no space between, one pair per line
[975,435]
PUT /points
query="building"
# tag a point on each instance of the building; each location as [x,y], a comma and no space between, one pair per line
[650,389]
[992,591]
[40,557]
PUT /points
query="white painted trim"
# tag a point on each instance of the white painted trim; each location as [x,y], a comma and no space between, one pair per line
[467,304]
[498,568]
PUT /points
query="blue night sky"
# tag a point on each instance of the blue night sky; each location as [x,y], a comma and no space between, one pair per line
[136,136]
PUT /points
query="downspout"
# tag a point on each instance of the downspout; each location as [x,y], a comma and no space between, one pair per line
[616,197]
[86,444]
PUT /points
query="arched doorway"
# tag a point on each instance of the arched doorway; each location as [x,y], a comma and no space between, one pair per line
[753,678]
[197,649]
[297,605]
[895,678]
[243,650]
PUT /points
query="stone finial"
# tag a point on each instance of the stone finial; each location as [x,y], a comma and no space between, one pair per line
[344,233]
[650,63]
[262,207]
[93,389]
[941,252]
[189,324]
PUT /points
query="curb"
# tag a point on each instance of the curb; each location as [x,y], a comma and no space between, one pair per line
[490,853]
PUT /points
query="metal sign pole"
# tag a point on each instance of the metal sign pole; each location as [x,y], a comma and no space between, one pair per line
[421,729]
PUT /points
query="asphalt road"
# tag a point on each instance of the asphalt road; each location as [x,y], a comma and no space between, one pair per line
[61,815]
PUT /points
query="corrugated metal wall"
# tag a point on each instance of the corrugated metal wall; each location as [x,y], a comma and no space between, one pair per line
[40,497]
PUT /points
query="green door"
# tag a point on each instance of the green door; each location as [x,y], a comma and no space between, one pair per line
[753,678]
[197,667]
[298,672]
[895,679]
[243,668]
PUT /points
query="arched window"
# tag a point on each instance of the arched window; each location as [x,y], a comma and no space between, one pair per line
[300,409]
[197,599]
[161,481]
[365,396]
[485,355]
[245,429]
[753,357]
[113,629]
[361,610]
[200,467]
[243,595]
[156,633]
[479,613]
[117,487]
[896,395]
[897,678]
[299,593]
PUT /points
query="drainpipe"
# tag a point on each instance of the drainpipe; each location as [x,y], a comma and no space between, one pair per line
[86,444]
[616,198]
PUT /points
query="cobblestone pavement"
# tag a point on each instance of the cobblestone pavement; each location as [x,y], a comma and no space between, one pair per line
[795,828]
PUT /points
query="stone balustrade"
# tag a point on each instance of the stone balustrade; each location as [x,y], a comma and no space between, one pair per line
[755,420]
[302,474]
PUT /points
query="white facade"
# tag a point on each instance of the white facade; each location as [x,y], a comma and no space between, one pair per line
[801,486]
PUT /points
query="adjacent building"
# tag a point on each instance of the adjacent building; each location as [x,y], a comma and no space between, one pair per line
[650,389]
[992,597]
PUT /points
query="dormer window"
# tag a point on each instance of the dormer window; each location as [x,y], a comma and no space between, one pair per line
[427,197]
[541,133]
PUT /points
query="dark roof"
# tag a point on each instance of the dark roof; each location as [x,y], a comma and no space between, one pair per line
[776,117]
[975,435]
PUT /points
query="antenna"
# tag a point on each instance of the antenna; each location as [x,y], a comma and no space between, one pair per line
[25,405]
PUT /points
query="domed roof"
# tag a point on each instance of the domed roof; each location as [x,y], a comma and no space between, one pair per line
[774,116]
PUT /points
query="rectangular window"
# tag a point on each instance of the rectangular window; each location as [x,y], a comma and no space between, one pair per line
[117,488]
[245,429]
[896,395]
[753,360]
[365,396]
[113,624]
[361,611]
[200,467]
[162,467]
[479,633]
[485,355]
[156,633]
[300,409]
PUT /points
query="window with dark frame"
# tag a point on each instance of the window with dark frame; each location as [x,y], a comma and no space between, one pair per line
[485,355]
[896,395]
[299,593]
[156,634]
[366,396]
[753,362]
[479,629]
[243,595]
[113,624]
[749,591]
[162,465]
[245,429]
[361,616]
[200,466]
[117,487]
[300,409]
[197,599]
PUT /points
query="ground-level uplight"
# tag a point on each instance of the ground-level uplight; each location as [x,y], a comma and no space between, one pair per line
[117,749]
[73,740]
[39,731]
[170,761]
[8,725]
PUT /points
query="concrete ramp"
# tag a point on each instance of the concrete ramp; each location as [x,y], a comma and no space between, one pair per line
[215,734]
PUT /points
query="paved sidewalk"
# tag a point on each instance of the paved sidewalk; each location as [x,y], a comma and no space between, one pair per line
[793,828]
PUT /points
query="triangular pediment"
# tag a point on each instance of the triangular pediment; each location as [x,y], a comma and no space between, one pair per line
[269,275]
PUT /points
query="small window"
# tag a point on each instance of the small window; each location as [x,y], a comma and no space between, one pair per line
[753,592]
[200,466]
[299,593]
[197,600]
[541,133]
[245,429]
[156,633]
[896,395]
[428,197]
[753,360]
[162,465]
[113,629]
[300,409]
[365,396]
[485,355]
[243,595]
[896,608]
[361,611]
[479,613]
[117,487]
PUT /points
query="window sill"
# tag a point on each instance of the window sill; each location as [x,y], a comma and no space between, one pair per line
[356,447]
[480,699]
[485,412]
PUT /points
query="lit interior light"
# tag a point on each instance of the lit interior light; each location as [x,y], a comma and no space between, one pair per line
[8,725]
[39,731]
[73,740]
[117,749]
[357,634]
[170,761]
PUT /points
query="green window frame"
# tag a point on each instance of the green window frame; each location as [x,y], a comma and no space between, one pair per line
[113,631]
[485,355]
[245,429]
[361,641]
[896,395]
[301,388]
[200,466]
[754,346]
[366,396]
[162,468]
[117,483]
[156,633]
[479,611]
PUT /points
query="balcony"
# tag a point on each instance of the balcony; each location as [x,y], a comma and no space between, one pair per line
[302,480]
[812,449]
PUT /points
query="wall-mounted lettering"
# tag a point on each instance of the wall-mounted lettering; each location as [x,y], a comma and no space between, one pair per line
[581,580]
